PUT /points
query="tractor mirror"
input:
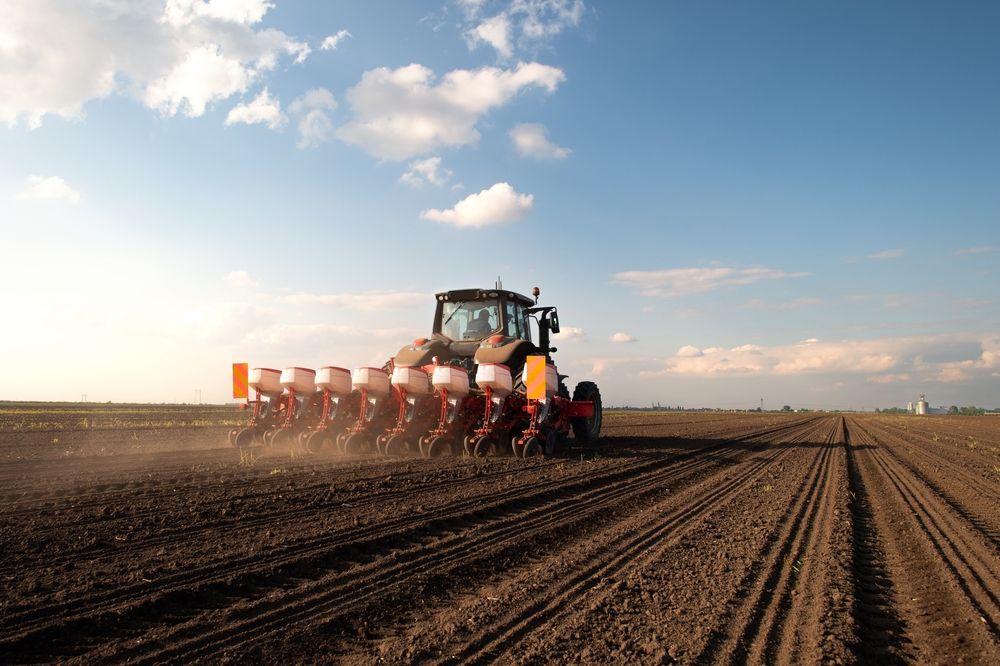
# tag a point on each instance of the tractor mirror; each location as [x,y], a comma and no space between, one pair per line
[554,322]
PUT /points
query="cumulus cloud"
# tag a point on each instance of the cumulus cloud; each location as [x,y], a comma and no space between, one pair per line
[51,188]
[183,12]
[332,41]
[945,358]
[240,279]
[526,22]
[887,254]
[264,110]
[315,125]
[531,141]
[498,204]
[368,301]
[494,31]
[674,282]
[622,337]
[401,113]
[567,333]
[178,57]
[426,172]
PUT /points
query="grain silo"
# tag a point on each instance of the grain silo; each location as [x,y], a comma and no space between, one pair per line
[922,405]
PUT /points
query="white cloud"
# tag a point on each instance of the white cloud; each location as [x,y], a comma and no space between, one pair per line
[494,31]
[622,337]
[428,171]
[887,254]
[183,12]
[500,203]
[528,22]
[531,141]
[674,282]
[567,333]
[240,279]
[181,57]
[263,109]
[368,301]
[51,188]
[401,113]
[885,359]
[315,125]
[332,41]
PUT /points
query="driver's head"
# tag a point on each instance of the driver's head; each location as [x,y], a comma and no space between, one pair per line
[484,315]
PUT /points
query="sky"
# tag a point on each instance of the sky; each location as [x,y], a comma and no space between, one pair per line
[790,202]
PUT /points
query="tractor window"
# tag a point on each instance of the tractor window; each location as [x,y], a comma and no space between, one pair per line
[513,322]
[470,320]
[522,319]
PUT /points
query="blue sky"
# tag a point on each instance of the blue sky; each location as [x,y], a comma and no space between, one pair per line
[797,201]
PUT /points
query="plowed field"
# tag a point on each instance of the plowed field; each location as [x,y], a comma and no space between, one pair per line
[685,537]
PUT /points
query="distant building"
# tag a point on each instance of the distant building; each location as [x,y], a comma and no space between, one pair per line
[909,407]
[922,407]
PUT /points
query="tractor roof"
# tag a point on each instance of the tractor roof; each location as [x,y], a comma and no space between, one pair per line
[477,294]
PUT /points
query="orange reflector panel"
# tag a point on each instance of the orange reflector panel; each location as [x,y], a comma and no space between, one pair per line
[534,372]
[240,373]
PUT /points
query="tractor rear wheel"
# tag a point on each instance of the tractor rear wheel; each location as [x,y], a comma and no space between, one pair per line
[588,428]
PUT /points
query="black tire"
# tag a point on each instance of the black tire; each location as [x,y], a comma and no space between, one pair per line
[232,436]
[281,438]
[532,447]
[314,442]
[243,439]
[394,446]
[438,447]
[483,447]
[356,443]
[588,429]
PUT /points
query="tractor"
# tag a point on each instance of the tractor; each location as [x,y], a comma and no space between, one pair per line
[480,384]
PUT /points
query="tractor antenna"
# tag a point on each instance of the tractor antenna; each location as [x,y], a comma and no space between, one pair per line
[499,283]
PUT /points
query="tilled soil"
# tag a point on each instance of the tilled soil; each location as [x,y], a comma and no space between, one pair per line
[690,538]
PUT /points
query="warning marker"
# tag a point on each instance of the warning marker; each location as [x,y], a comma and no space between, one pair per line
[534,371]
[240,373]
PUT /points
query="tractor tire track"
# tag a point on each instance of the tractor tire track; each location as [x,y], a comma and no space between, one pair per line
[938,562]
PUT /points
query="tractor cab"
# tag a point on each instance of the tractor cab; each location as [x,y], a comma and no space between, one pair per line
[483,325]
[472,315]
